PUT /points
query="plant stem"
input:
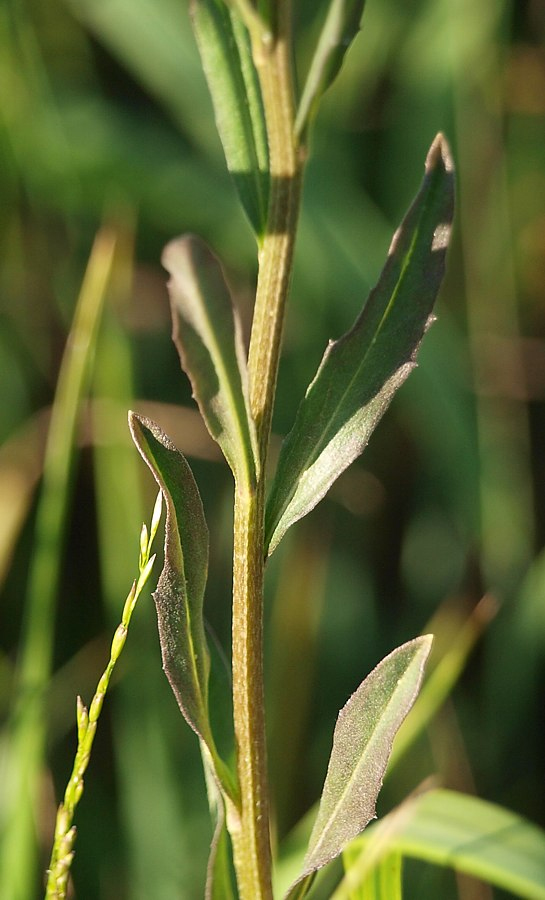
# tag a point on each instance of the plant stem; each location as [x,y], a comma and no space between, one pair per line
[276,253]
[251,840]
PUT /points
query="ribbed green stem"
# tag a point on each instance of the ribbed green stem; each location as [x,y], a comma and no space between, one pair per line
[251,840]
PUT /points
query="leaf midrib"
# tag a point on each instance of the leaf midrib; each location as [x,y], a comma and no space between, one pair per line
[323,442]
[327,826]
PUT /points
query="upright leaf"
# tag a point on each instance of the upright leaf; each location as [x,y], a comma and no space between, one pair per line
[180,589]
[207,336]
[226,55]
[360,373]
[362,742]
[340,28]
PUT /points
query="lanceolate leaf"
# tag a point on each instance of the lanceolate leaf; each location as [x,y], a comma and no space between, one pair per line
[362,743]
[207,335]
[180,589]
[225,51]
[340,28]
[360,373]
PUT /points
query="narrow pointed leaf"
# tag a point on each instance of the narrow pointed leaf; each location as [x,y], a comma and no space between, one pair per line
[340,28]
[180,589]
[362,742]
[207,336]
[360,373]
[226,55]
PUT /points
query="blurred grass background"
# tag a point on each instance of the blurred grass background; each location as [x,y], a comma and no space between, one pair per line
[105,123]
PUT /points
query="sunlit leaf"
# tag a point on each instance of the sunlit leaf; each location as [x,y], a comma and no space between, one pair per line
[360,373]
[340,28]
[383,881]
[207,336]
[362,742]
[227,61]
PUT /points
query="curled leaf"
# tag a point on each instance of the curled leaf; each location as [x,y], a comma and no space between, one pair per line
[207,335]
[360,373]
[180,589]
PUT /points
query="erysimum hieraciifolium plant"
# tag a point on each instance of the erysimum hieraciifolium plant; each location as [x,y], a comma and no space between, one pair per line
[247,54]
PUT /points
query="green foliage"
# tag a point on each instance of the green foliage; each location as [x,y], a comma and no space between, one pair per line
[87,719]
[207,335]
[340,28]
[25,738]
[360,373]
[362,743]
[230,72]
[180,589]
[473,836]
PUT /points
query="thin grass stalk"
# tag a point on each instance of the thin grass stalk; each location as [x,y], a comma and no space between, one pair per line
[18,854]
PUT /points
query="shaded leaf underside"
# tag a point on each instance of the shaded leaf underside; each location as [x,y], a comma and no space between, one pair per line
[180,589]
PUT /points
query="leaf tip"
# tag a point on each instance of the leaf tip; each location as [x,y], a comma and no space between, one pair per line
[174,248]
[439,151]
[426,641]
[134,423]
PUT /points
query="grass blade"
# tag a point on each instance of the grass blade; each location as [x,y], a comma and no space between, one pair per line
[360,373]
[362,742]
[207,336]
[26,740]
[473,837]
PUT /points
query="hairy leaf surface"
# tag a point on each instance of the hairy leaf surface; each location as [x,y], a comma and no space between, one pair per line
[360,373]
[225,51]
[362,742]
[207,336]
[180,589]
[340,28]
